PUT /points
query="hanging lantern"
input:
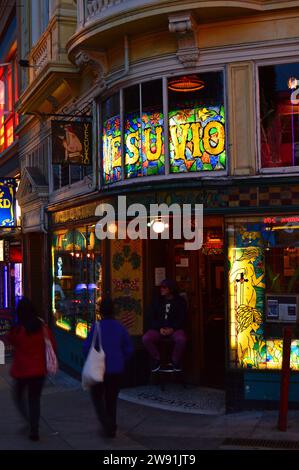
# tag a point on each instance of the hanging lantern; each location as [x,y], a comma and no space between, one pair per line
[185,83]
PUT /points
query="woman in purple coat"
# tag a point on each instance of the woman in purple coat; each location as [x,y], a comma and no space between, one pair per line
[118,348]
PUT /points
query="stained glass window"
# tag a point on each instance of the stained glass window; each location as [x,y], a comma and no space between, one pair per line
[144,138]
[197,126]
[263,261]
[152,122]
[111,140]
[196,122]
[133,159]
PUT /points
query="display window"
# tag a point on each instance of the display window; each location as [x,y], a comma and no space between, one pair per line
[263,255]
[77,279]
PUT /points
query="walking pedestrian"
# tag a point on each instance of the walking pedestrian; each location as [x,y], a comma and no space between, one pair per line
[118,348]
[29,369]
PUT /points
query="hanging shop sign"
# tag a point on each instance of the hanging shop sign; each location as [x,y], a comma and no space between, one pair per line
[7,202]
[71,143]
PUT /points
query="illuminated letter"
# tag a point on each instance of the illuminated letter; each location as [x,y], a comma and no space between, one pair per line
[152,156]
[132,147]
[195,133]
[179,147]
[115,144]
[219,139]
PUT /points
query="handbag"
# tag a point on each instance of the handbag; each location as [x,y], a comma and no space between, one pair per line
[94,368]
[51,359]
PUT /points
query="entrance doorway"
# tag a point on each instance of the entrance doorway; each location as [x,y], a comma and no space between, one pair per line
[199,276]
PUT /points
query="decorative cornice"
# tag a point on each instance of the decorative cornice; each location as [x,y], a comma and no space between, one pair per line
[184,26]
[96,61]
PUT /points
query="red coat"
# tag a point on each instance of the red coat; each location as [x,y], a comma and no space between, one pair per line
[29,352]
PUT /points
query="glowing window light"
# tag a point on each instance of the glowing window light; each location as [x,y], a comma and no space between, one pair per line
[185,84]
[81,329]
[9,132]
[63,325]
[1,130]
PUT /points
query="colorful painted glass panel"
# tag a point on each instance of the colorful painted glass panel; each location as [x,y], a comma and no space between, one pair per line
[153,157]
[145,156]
[197,139]
[133,159]
[112,150]
[250,273]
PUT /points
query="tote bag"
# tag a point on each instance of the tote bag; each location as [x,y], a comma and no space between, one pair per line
[94,367]
[51,359]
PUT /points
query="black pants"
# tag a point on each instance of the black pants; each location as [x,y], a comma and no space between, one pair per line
[29,406]
[104,396]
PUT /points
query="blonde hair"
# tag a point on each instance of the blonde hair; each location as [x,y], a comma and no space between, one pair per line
[250,252]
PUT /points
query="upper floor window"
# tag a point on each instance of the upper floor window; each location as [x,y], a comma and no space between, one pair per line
[134,128]
[8,97]
[279,115]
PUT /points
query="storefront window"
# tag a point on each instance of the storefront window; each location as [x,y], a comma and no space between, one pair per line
[263,290]
[279,115]
[196,119]
[77,274]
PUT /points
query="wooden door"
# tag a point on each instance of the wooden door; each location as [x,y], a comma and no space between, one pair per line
[184,269]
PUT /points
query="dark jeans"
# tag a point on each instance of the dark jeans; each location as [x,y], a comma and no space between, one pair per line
[104,396]
[29,406]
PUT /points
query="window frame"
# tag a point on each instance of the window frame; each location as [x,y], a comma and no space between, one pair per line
[285,170]
[11,97]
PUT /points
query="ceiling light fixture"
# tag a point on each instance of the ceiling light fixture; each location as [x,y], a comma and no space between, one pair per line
[185,84]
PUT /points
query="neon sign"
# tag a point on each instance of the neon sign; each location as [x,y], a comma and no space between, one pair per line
[281,220]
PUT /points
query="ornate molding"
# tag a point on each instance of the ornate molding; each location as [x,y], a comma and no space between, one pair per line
[96,61]
[184,26]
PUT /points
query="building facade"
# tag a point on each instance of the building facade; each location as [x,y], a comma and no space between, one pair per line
[179,103]
[11,272]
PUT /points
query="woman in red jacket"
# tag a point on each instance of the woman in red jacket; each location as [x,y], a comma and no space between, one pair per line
[29,363]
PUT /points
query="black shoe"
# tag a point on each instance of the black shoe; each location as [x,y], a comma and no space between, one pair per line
[34,437]
[156,366]
[176,367]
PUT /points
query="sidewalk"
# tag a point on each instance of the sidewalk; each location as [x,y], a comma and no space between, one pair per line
[68,423]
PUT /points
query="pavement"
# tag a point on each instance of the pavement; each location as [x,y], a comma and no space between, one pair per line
[68,422]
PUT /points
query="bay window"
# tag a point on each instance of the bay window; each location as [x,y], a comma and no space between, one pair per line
[134,128]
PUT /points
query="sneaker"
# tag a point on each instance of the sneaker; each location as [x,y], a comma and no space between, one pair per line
[176,367]
[156,366]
